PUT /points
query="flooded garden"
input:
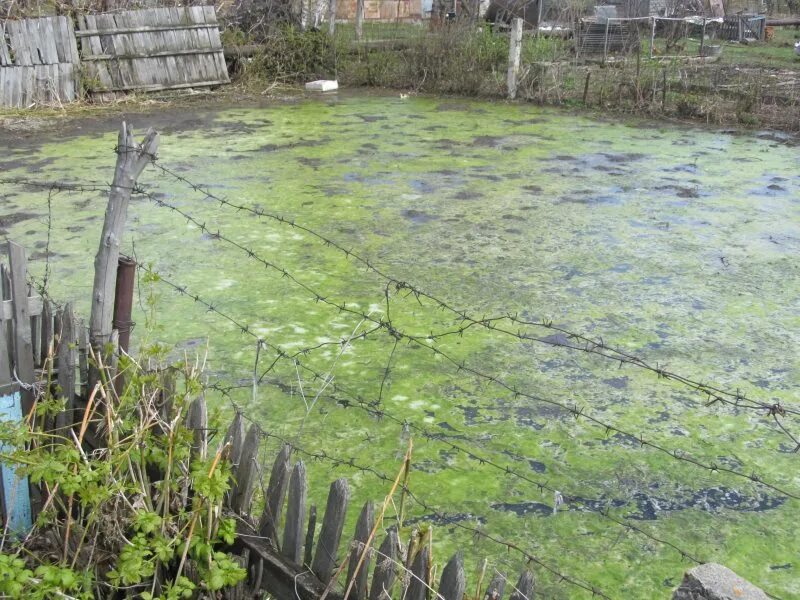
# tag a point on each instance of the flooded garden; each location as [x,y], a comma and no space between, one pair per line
[674,245]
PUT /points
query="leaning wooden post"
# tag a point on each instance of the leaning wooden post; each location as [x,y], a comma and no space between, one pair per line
[132,158]
[514,52]
[359,19]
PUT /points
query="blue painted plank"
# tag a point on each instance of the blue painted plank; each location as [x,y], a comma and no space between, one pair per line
[15,489]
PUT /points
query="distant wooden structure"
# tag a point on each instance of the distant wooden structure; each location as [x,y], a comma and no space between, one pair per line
[152,49]
[380,10]
[39,62]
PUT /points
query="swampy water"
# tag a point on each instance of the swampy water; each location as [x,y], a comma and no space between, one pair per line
[677,245]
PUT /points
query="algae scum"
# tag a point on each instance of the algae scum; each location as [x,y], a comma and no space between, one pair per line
[676,245]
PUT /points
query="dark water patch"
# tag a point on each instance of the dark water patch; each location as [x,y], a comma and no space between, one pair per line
[488,141]
[314,163]
[422,186]
[467,195]
[618,383]
[709,500]
[623,158]
[535,465]
[446,426]
[43,255]
[513,231]
[14,218]
[372,118]
[459,107]
[786,567]
[532,188]
[522,509]
[418,216]
[369,146]
[513,217]
[301,143]
[442,520]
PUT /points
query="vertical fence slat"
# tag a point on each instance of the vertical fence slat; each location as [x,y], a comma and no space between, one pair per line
[235,437]
[67,362]
[418,585]
[292,547]
[83,357]
[385,571]
[309,545]
[524,588]
[246,473]
[331,532]
[364,525]
[47,329]
[276,491]
[197,422]
[496,587]
[23,343]
[454,581]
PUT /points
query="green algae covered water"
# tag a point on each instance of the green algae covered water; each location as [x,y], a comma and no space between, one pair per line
[677,245]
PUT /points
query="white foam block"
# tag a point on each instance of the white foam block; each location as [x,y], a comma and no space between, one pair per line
[322,85]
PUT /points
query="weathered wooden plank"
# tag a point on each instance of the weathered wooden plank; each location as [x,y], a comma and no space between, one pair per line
[385,567]
[35,305]
[246,473]
[292,547]
[141,55]
[418,585]
[5,59]
[67,363]
[197,422]
[312,526]
[496,587]
[83,357]
[17,34]
[524,588]
[280,577]
[49,41]
[357,580]
[331,533]
[276,491]
[46,340]
[88,33]
[234,437]
[23,349]
[453,583]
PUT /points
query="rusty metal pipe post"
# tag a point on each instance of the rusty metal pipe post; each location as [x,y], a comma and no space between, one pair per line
[123,300]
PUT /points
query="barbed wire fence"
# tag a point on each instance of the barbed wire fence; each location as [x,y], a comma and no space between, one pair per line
[384,325]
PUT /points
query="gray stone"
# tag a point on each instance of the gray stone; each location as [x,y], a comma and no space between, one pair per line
[715,582]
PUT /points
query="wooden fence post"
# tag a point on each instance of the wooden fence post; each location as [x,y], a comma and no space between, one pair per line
[524,588]
[132,158]
[295,515]
[331,532]
[67,363]
[385,569]
[359,19]
[276,492]
[366,520]
[21,324]
[332,17]
[514,52]
[454,582]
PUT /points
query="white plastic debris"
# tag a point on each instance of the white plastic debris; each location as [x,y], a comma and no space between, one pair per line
[322,85]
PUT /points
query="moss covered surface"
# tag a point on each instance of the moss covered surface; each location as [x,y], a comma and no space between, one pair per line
[676,244]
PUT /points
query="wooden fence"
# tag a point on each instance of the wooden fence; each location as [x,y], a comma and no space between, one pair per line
[39,62]
[147,50]
[152,49]
[31,330]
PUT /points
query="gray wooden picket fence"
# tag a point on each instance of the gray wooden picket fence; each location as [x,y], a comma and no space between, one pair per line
[144,50]
[288,560]
[39,62]
[152,49]
[31,330]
